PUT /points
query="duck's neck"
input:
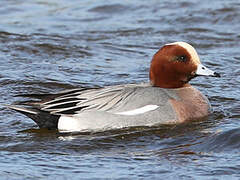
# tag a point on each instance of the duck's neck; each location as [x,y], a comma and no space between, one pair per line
[171,86]
[165,81]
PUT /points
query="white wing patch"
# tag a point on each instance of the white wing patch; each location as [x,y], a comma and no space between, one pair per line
[137,111]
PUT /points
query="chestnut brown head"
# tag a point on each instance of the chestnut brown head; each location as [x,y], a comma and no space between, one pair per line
[175,64]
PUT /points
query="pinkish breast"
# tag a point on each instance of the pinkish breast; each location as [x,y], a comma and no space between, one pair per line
[191,105]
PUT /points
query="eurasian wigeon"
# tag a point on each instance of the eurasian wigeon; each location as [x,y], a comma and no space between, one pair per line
[167,99]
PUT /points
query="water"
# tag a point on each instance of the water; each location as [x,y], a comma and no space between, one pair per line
[48,46]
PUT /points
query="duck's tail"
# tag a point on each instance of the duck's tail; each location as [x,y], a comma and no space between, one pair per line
[45,109]
[41,118]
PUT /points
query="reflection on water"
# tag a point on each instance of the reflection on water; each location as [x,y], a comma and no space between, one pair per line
[51,46]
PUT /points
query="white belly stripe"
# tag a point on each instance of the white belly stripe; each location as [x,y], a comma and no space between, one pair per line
[139,110]
[78,123]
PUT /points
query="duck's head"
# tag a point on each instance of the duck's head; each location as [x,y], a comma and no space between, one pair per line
[175,64]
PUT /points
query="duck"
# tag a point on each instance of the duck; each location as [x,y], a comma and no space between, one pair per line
[167,99]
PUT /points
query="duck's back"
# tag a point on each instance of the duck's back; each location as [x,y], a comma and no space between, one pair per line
[115,107]
[125,106]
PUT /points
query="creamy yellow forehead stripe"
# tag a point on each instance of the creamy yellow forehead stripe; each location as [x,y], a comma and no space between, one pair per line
[190,49]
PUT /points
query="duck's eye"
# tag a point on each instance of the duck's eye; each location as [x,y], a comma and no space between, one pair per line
[182,58]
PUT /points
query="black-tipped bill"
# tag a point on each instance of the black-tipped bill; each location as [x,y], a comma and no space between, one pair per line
[203,71]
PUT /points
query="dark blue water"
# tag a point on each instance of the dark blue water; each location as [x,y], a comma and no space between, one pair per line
[48,46]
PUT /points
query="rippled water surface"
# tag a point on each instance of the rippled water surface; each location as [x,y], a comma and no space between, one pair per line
[48,46]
